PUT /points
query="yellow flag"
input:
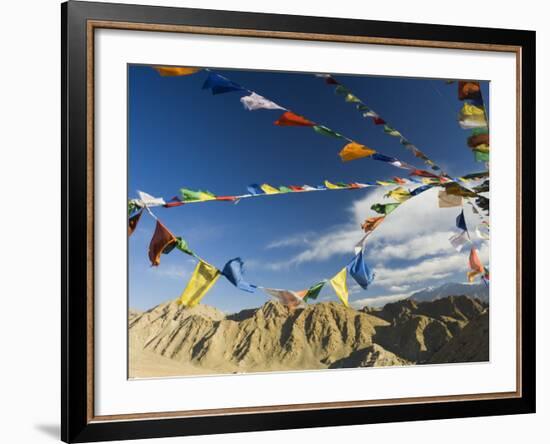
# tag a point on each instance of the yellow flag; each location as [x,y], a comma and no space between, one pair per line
[399,194]
[268,189]
[204,276]
[339,284]
[383,183]
[170,71]
[205,196]
[484,148]
[354,150]
[331,186]
[472,110]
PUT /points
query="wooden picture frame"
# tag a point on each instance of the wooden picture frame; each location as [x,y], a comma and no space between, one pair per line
[79,22]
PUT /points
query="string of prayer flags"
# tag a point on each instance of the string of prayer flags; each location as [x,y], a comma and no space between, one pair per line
[459,240]
[313,291]
[289,298]
[447,200]
[233,271]
[290,119]
[476,267]
[133,221]
[399,194]
[340,286]
[360,271]
[203,278]
[354,150]
[219,84]
[161,239]
[384,208]
[174,71]
[254,102]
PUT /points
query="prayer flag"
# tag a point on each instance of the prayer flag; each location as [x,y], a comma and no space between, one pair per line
[456,189]
[255,101]
[468,90]
[191,195]
[359,246]
[332,186]
[391,131]
[378,120]
[313,291]
[133,221]
[324,131]
[384,158]
[220,85]
[268,189]
[283,189]
[146,200]
[181,244]
[233,271]
[384,208]
[370,113]
[296,188]
[420,189]
[342,90]
[255,189]
[203,278]
[339,284]
[449,200]
[161,239]
[286,297]
[459,240]
[480,156]
[352,99]
[360,271]
[399,194]
[475,265]
[461,222]
[290,119]
[354,150]
[171,71]
[480,139]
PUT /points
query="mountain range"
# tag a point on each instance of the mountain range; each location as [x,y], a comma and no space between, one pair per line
[171,340]
[479,291]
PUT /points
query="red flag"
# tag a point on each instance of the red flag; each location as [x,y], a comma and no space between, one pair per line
[295,188]
[480,139]
[132,222]
[161,239]
[378,121]
[331,81]
[291,119]
[468,90]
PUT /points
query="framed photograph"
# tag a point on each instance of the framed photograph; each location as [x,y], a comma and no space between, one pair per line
[276,222]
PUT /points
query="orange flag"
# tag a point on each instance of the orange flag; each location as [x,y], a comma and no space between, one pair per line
[291,119]
[354,150]
[162,238]
[468,90]
[132,222]
[475,265]
[371,223]
[171,71]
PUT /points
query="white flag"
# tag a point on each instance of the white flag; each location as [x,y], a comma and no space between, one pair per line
[255,101]
[459,240]
[286,297]
[146,200]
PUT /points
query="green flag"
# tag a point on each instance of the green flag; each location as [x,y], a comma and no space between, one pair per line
[384,208]
[314,290]
[320,129]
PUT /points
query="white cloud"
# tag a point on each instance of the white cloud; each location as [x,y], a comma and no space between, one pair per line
[180,271]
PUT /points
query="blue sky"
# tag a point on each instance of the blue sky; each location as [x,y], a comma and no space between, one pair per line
[183,136]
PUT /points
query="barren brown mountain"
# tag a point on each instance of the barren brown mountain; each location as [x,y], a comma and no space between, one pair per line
[170,340]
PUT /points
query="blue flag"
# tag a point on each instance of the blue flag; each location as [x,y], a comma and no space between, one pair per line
[419,190]
[255,189]
[220,85]
[461,222]
[360,271]
[234,271]
[383,158]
